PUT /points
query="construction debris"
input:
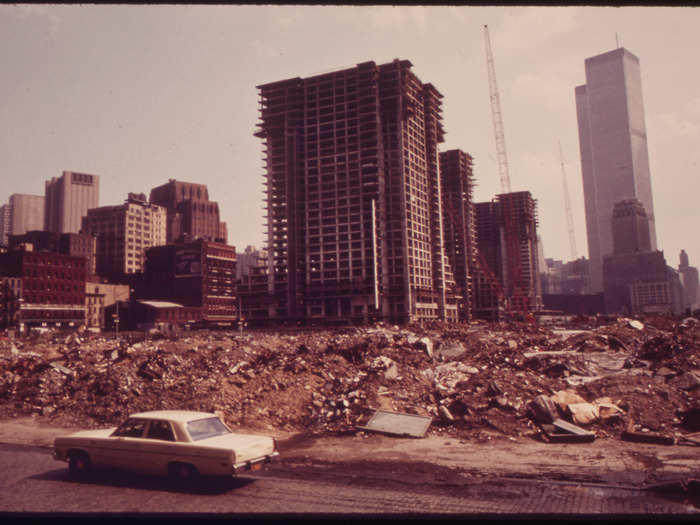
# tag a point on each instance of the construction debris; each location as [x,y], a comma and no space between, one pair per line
[561,431]
[501,378]
[407,425]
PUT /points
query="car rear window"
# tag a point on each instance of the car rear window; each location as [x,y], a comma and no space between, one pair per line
[131,428]
[206,428]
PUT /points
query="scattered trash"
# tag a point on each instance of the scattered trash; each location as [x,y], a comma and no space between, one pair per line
[635,324]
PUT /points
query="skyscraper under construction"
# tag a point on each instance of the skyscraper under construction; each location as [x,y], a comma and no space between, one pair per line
[353,197]
[510,269]
[457,177]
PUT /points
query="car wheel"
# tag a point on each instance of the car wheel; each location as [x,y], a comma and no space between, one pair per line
[184,475]
[79,464]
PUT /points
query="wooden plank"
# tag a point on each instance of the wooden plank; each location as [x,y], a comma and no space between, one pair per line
[648,437]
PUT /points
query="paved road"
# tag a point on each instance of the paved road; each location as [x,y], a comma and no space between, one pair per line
[31,481]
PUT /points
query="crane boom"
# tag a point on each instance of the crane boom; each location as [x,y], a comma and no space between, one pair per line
[497,118]
[567,205]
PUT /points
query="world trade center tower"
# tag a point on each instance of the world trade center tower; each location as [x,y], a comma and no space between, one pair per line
[613,145]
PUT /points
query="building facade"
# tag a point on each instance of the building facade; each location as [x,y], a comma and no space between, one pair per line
[25,213]
[75,244]
[353,197]
[50,292]
[124,233]
[635,279]
[99,297]
[67,200]
[613,147]
[190,213]
[199,274]
[689,279]
[4,224]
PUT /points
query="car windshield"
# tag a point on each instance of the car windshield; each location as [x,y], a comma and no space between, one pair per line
[206,428]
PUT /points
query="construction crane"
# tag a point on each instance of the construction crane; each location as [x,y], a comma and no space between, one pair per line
[567,205]
[497,117]
[517,296]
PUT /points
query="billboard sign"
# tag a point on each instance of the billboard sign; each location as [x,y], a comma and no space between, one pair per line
[187,263]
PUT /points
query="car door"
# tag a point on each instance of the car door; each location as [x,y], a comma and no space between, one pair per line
[158,448]
[125,442]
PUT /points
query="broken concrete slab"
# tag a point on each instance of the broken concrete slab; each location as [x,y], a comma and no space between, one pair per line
[399,424]
[561,431]
[686,381]
[426,344]
[61,368]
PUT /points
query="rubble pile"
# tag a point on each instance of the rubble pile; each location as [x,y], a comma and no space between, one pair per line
[473,380]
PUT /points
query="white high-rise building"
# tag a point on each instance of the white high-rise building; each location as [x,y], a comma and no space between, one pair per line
[613,145]
[68,198]
[124,233]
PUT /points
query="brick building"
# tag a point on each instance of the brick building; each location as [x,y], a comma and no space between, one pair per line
[124,233]
[353,197]
[75,244]
[190,213]
[199,274]
[51,292]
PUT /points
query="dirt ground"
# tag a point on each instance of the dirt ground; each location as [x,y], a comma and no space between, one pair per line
[446,459]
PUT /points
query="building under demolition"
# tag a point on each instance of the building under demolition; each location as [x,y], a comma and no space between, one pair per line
[353,197]
[506,231]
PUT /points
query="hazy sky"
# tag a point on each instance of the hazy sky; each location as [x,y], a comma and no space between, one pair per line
[139,94]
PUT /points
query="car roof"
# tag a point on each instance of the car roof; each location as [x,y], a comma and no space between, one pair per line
[174,415]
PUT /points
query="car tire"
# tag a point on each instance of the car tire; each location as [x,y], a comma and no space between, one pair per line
[183,475]
[79,464]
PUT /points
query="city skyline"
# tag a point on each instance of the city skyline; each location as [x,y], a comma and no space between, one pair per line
[138,95]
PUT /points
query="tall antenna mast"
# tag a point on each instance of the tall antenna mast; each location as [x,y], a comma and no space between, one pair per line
[497,118]
[617,43]
[567,205]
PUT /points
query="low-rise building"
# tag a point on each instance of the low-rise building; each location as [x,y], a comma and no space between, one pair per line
[75,244]
[99,296]
[161,316]
[51,293]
